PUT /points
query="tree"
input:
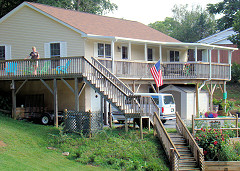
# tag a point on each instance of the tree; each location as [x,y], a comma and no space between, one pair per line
[167,26]
[194,24]
[228,8]
[187,25]
[90,6]
[235,39]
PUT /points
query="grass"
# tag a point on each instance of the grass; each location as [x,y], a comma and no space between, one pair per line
[109,149]
[26,148]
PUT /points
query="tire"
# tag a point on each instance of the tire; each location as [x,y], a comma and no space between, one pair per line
[164,121]
[45,120]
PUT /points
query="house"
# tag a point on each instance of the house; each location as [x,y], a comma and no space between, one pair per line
[185,99]
[221,39]
[68,76]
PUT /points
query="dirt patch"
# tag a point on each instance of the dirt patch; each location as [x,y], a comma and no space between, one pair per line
[2,144]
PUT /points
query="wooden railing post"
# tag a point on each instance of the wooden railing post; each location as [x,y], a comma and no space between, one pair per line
[237,123]
[172,159]
[193,126]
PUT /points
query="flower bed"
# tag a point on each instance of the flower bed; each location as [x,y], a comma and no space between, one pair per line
[216,145]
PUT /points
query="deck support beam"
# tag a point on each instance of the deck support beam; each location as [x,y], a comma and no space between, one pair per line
[76,95]
[46,85]
[55,99]
[12,87]
[225,94]
[197,99]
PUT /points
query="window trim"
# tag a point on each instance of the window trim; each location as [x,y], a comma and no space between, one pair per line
[153,53]
[8,51]
[126,52]
[169,58]
[104,50]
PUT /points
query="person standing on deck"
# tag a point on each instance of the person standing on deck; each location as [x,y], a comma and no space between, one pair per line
[34,55]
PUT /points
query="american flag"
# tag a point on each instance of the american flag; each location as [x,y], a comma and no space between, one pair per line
[157,74]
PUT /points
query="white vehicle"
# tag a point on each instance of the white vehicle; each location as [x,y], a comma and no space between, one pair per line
[166,104]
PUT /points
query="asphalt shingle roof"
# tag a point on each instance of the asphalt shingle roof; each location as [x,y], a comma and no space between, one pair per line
[104,26]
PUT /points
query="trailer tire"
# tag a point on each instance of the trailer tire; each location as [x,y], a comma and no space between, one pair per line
[45,119]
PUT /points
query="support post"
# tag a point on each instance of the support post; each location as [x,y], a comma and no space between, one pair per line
[225,94]
[76,95]
[110,115]
[237,123]
[126,124]
[55,99]
[12,86]
[197,99]
[193,131]
[133,86]
[160,53]
[105,112]
[196,54]
[112,53]
[211,97]
[141,128]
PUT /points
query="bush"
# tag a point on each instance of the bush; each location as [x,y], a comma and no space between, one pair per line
[235,73]
[212,141]
[229,104]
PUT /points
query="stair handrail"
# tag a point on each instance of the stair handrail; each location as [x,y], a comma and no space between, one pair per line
[195,149]
[164,137]
[113,76]
[104,76]
[114,84]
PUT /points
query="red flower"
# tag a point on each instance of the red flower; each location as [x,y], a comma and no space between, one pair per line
[215,142]
[205,152]
[222,138]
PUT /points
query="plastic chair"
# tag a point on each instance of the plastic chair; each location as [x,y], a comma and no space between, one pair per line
[11,68]
[63,69]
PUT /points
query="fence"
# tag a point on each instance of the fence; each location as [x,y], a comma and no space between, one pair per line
[216,123]
[86,123]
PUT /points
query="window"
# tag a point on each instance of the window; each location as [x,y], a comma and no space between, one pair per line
[174,56]
[55,53]
[104,50]
[55,50]
[2,52]
[124,52]
[150,54]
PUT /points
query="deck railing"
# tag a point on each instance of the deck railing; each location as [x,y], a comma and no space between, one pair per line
[170,70]
[196,151]
[168,145]
[46,67]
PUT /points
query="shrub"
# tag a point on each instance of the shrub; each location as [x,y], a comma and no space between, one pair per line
[211,140]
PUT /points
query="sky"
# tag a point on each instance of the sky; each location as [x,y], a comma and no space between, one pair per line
[149,11]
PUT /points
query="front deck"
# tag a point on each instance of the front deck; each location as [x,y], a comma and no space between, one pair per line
[72,67]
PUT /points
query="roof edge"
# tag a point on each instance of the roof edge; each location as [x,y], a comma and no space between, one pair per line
[206,38]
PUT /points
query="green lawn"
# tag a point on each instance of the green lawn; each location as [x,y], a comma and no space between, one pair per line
[110,149]
[26,148]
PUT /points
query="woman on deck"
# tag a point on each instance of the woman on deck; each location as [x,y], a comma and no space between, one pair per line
[34,55]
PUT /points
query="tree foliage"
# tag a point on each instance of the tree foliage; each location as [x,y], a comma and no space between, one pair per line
[90,6]
[228,8]
[167,26]
[187,25]
[235,39]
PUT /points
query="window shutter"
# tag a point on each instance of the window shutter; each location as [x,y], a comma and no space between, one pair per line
[8,54]
[95,50]
[47,50]
[63,49]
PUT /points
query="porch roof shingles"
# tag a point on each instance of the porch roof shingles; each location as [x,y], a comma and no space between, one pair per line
[103,25]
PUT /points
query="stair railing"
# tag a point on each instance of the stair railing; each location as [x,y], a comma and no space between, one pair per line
[111,76]
[169,147]
[195,149]
[109,88]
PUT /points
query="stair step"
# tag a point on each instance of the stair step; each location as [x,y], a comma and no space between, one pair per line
[187,169]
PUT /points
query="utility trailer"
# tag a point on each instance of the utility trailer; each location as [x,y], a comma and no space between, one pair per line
[36,110]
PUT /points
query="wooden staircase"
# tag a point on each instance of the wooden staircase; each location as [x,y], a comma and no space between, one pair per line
[186,161]
[181,148]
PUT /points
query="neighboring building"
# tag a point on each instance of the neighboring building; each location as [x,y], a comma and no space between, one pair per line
[221,39]
[127,48]
[185,99]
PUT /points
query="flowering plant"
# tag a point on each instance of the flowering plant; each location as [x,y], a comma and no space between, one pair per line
[211,115]
[211,140]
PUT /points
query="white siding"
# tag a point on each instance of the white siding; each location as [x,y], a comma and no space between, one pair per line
[27,28]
